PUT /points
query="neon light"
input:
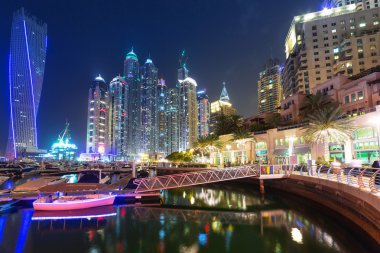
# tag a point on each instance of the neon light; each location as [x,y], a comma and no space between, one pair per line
[73,217]
[75,202]
[10,100]
[31,83]
[2,226]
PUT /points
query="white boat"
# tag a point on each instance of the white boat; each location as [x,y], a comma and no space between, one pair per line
[65,203]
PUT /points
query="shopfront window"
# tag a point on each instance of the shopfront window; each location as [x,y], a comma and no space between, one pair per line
[261,145]
[365,133]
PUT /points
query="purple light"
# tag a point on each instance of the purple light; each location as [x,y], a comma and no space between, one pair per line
[75,202]
[73,217]
[10,100]
[31,83]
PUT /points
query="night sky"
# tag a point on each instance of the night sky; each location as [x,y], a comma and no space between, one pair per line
[226,40]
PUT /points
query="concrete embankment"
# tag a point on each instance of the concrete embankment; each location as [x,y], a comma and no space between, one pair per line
[359,206]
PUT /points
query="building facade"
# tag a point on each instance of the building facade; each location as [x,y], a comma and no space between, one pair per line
[320,45]
[26,72]
[361,5]
[188,114]
[204,111]
[118,118]
[97,117]
[162,118]
[132,79]
[269,88]
[172,115]
[149,124]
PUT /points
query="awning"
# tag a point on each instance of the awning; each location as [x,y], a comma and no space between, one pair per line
[280,152]
[301,150]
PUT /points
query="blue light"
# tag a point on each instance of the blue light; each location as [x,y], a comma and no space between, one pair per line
[31,83]
[2,226]
[26,218]
[10,100]
[161,234]
[202,239]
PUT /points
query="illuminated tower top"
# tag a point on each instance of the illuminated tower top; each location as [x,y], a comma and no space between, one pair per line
[224,95]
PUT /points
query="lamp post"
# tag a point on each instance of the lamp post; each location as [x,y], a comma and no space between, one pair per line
[228,146]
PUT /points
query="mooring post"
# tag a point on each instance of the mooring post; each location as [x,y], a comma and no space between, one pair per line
[134,172]
[262,189]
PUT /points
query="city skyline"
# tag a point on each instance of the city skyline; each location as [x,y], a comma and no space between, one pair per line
[207,65]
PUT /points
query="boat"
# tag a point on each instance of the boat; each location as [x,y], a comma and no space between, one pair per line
[65,203]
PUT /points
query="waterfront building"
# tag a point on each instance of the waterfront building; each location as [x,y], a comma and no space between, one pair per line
[320,45]
[221,107]
[97,117]
[361,5]
[149,83]
[132,79]
[162,117]
[118,118]
[188,114]
[269,87]
[63,149]
[356,95]
[284,145]
[203,113]
[27,56]
[172,116]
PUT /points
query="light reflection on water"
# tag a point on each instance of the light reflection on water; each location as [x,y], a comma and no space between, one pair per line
[216,220]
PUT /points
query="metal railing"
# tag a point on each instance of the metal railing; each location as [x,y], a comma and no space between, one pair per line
[367,179]
[194,178]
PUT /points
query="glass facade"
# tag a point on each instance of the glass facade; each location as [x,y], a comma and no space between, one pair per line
[26,72]
[366,145]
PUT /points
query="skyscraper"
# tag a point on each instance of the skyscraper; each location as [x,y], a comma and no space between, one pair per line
[222,106]
[188,113]
[149,131]
[183,71]
[331,42]
[162,117]
[269,87]
[361,5]
[203,113]
[172,114]
[26,72]
[97,121]
[118,118]
[132,79]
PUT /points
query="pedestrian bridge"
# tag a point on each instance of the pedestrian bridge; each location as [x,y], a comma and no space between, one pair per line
[364,179]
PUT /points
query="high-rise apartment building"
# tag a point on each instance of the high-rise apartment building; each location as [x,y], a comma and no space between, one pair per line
[149,131]
[118,118]
[221,107]
[162,117]
[172,115]
[320,45]
[188,113]
[26,72]
[97,117]
[203,113]
[269,88]
[132,79]
[361,4]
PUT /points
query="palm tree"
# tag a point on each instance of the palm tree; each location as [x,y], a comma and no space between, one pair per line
[314,103]
[241,136]
[207,144]
[227,124]
[328,126]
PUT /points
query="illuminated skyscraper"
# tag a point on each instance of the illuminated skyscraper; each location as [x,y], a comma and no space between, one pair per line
[172,114]
[149,130]
[118,118]
[361,4]
[97,122]
[183,71]
[131,73]
[221,107]
[26,72]
[203,113]
[269,88]
[188,114]
[162,118]
[331,42]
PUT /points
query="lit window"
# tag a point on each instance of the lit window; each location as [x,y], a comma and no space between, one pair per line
[362,25]
[360,95]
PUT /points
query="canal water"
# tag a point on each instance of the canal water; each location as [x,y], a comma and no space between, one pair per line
[220,218]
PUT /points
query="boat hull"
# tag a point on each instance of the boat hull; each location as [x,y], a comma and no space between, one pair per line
[74,205]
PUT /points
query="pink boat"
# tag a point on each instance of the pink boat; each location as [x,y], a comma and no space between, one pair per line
[65,203]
